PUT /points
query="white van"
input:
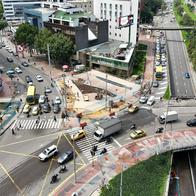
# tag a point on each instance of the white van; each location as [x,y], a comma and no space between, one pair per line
[151,100]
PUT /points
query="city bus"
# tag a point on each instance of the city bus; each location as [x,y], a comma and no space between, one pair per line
[159,73]
[31,95]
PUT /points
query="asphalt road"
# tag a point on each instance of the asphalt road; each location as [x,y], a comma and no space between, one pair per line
[32,72]
[178,64]
[29,177]
[181,185]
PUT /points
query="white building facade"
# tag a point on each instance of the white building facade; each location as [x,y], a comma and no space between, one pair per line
[111,10]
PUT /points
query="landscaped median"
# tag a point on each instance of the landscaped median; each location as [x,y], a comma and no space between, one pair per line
[148,177]
[167,94]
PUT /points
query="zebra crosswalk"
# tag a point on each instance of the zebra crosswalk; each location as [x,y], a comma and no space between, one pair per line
[32,124]
[86,144]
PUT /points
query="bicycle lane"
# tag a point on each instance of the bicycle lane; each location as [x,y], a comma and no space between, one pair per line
[92,178]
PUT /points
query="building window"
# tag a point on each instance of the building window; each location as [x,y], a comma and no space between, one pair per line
[116,15]
[101,5]
[115,34]
[105,5]
[110,26]
[116,6]
[120,7]
[119,35]
[110,13]
[120,14]
[110,33]
[110,6]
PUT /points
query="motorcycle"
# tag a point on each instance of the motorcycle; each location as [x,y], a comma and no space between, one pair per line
[103,151]
[54,179]
[133,126]
[94,148]
[108,140]
[63,169]
[160,130]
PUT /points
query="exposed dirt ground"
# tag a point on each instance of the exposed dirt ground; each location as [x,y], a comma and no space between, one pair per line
[85,89]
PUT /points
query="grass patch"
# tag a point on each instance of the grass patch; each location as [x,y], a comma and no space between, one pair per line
[146,178]
[167,94]
[140,59]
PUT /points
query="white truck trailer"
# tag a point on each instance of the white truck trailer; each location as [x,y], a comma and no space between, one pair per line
[107,128]
[169,117]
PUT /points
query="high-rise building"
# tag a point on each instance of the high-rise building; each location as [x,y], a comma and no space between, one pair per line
[112,10]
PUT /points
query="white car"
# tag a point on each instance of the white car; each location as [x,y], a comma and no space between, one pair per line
[151,100]
[39,78]
[10,50]
[57,100]
[48,152]
[42,99]
[143,99]
[47,90]
[18,70]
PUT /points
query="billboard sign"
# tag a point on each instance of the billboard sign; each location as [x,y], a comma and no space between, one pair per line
[125,21]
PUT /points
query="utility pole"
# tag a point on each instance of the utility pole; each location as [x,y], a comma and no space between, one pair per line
[48,49]
[106,88]
[121,180]
[74,156]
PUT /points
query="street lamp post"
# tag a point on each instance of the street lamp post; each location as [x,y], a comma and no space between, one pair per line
[74,156]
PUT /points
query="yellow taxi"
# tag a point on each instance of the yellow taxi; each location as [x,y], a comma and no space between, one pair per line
[27,108]
[79,135]
[137,134]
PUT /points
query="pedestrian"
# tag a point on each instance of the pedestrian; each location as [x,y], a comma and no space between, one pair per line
[55,118]
[13,133]
[20,100]
[19,125]
[38,118]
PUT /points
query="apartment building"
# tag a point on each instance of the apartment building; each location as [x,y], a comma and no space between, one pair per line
[112,10]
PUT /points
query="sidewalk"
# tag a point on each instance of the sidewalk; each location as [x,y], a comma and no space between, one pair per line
[148,73]
[91,178]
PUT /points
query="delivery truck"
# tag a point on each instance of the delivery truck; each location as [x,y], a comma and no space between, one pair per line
[107,128]
[171,116]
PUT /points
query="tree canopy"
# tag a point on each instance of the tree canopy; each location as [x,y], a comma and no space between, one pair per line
[25,35]
[150,9]
[3,24]
[41,40]
[1,10]
[61,48]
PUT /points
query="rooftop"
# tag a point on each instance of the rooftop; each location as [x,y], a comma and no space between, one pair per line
[66,16]
[112,49]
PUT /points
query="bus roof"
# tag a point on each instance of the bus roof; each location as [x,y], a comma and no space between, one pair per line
[31,90]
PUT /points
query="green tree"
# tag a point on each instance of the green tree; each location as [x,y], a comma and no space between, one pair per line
[41,40]
[180,10]
[150,9]
[3,24]
[186,20]
[25,35]
[61,48]
[1,10]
